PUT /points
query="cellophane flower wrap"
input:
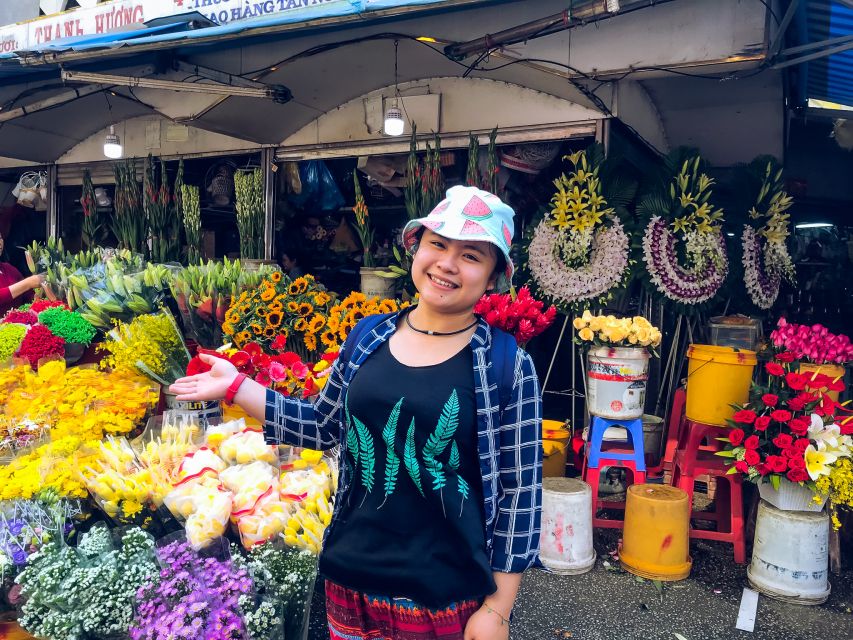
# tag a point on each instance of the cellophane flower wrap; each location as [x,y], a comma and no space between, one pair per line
[610,331]
[88,591]
[686,263]
[150,344]
[297,310]
[522,316]
[766,261]
[579,252]
[812,343]
[791,428]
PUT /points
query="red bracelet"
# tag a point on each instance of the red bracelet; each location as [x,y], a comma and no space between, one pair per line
[233,387]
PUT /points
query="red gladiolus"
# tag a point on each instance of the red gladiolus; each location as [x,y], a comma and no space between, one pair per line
[770,399]
[774,369]
[742,466]
[751,442]
[745,416]
[781,415]
[736,437]
[751,457]
[761,423]
[796,381]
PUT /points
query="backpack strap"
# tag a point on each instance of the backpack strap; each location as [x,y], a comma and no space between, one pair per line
[504,348]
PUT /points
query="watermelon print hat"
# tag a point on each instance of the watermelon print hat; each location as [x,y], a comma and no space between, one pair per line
[469,213]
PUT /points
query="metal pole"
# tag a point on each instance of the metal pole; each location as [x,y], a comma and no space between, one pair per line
[52,217]
[269,168]
[554,356]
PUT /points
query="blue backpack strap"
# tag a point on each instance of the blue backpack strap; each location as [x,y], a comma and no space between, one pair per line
[504,348]
[361,329]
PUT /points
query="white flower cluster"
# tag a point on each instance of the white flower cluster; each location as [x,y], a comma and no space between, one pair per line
[565,285]
[763,284]
[262,620]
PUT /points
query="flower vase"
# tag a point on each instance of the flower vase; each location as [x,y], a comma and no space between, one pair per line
[374,284]
[791,496]
[832,370]
[616,381]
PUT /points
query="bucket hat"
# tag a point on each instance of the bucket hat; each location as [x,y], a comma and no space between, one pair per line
[469,213]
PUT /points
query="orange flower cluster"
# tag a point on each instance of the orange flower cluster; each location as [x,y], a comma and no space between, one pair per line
[346,314]
[296,309]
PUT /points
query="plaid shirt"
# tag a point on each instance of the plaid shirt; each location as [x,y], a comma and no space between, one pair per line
[509,444]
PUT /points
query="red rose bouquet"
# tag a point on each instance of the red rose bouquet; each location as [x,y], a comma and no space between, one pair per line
[522,316]
[790,429]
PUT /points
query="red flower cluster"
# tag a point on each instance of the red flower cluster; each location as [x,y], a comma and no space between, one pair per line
[523,317]
[815,343]
[40,305]
[20,317]
[40,343]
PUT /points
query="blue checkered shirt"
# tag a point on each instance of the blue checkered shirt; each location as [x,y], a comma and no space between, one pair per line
[509,443]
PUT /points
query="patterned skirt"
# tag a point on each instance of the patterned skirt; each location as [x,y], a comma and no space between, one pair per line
[356,616]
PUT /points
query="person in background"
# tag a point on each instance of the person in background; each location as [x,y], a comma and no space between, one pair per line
[12,284]
[291,263]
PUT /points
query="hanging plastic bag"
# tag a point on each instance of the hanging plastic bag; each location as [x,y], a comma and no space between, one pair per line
[309,177]
[330,196]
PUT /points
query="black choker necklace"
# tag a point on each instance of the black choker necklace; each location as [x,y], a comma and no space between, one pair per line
[439,333]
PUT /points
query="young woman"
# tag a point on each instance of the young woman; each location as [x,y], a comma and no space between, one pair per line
[439,501]
[12,284]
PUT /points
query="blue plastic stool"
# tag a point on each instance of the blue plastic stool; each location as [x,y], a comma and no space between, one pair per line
[596,440]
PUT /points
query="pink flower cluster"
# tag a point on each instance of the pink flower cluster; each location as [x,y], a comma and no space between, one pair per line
[813,343]
[523,317]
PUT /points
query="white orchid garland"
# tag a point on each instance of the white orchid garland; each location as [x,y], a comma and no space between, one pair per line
[767,244]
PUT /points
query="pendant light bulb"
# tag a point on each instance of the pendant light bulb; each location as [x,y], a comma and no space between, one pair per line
[112,145]
[394,123]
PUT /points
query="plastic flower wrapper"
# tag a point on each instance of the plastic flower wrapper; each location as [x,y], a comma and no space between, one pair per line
[248,446]
[200,462]
[86,592]
[204,505]
[20,436]
[263,618]
[215,435]
[150,344]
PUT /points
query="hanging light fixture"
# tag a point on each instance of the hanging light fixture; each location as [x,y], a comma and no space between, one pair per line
[394,123]
[112,144]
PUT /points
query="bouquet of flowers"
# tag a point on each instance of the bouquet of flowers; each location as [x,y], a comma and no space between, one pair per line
[297,310]
[767,244]
[579,252]
[87,592]
[610,331]
[812,343]
[692,273]
[787,432]
[344,315]
[11,336]
[17,436]
[71,327]
[39,344]
[249,191]
[522,315]
[151,345]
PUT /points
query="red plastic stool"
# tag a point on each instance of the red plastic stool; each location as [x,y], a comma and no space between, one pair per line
[728,500]
[673,431]
[593,477]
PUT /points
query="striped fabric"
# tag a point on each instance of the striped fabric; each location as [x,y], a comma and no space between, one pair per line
[509,444]
[356,616]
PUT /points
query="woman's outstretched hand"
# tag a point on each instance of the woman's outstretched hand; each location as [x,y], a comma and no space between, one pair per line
[211,385]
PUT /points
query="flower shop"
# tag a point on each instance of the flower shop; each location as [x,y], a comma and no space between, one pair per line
[655,295]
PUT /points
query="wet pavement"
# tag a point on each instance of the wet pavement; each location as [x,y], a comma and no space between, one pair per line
[609,604]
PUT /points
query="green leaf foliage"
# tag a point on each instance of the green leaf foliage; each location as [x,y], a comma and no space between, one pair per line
[410,458]
[366,453]
[389,436]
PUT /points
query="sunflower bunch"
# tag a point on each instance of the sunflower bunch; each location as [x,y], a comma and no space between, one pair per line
[346,314]
[295,309]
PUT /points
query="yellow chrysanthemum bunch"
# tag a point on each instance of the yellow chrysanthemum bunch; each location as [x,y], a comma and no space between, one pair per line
[346,314]
[279,307]
[51,466]
[113,477]
[616,332]
[838,485]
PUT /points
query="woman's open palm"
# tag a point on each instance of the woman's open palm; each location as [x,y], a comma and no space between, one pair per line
[211,385]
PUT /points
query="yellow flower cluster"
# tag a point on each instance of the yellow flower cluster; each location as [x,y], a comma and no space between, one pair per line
[578,204]
[80,405]
[279,307]
[346,314]
[838,485]
[616,332]
[150,344]
[118,484]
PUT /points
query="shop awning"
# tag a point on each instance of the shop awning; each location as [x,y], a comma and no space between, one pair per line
[826,25]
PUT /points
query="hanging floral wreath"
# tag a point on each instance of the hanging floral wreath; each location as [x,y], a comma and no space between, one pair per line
[579,253]
[687,264]
[766,261]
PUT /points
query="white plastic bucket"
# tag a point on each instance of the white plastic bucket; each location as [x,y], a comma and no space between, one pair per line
[790,555]
[791,496]
[616,381]
[565,545]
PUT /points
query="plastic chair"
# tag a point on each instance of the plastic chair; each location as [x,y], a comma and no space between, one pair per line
[595,445]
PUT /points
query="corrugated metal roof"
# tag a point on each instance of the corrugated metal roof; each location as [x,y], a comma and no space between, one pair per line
[829,78]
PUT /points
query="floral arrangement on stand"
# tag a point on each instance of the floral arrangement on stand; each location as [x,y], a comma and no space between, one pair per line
[766,261]
[249,192]
[520,315]
[87,591]
[697,274]
[579,252]
[610,331]
[790,432]
[297,310]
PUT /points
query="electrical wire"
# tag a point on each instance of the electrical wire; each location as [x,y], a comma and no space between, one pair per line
[770,9]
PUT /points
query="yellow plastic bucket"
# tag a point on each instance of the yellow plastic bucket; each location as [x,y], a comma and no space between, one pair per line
[656,538]
[717,377]
[555,445]
[832,370]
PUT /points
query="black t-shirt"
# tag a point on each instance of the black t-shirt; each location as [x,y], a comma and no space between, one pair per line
[412,525]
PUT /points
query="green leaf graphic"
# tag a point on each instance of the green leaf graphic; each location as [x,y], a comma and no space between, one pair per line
[392,462]
[448,421]
[352,438]
[410,458]
[464,489]
[454,456]
[366,450]
[435,469]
